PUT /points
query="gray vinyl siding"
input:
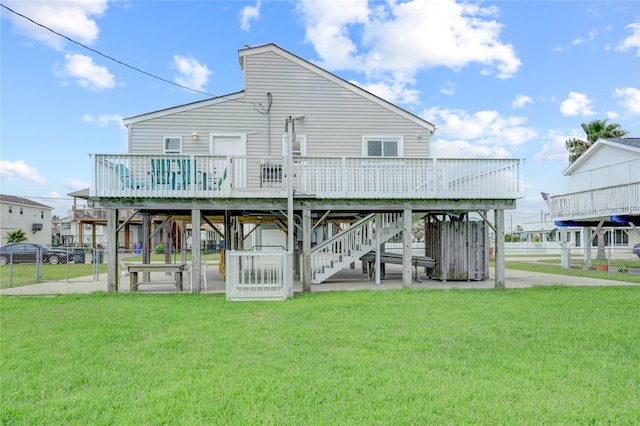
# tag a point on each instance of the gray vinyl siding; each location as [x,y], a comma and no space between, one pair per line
[336,117]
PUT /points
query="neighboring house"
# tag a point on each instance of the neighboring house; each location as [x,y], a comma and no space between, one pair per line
[17,213]
[605,191]
[305,161]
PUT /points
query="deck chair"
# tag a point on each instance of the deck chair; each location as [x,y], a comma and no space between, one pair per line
[127,180]
[185,171]
[161,174]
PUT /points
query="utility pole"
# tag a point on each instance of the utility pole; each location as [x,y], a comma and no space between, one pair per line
[290,123]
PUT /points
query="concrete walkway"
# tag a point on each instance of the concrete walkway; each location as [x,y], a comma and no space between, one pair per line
[346,280]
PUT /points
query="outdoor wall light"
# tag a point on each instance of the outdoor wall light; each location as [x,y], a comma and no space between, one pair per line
[194,135]
[300,117]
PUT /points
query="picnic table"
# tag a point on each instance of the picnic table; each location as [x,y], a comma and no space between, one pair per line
[135,269]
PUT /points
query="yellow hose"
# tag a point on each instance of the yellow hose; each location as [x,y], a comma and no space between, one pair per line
[222,268]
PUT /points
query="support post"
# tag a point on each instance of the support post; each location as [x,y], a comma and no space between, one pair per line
[407,253]
[146,244]
[378,224]
[586,244]
[112,246]
[290,131]
[306,250]
[500,262]
[196,265]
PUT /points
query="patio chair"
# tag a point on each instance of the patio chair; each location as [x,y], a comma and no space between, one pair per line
[185,172]
[161,174]
[127,180]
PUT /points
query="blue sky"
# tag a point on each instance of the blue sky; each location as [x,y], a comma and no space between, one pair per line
[497,78]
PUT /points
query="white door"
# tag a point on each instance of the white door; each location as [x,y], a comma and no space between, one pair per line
[231,145]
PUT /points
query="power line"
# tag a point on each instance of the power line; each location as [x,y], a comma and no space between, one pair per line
[106,56]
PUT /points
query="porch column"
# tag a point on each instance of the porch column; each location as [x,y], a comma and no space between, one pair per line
[407,253]
[195,251]
[378,249]
[146,244]
[586,244]
[499,254]
[112,246]
[306,249]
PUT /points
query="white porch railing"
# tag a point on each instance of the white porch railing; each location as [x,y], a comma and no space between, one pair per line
[602,202]
[206,176]
[350,245]
[255,275]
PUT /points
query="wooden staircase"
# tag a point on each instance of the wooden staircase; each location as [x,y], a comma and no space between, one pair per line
[348,246]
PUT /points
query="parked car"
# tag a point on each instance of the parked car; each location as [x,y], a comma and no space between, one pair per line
[636,249]
[28,253]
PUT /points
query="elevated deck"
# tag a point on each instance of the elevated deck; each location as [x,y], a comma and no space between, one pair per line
[206,177]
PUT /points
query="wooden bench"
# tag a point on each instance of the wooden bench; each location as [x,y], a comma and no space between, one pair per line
[386,257]
[177,268]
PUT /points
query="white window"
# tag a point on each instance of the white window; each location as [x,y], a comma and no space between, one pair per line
[299,145]
[382,146]
[172,145]
[10,209]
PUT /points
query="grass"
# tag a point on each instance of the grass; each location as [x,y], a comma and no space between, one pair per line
[549,355]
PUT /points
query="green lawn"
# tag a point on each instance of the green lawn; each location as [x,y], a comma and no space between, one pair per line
[549,355]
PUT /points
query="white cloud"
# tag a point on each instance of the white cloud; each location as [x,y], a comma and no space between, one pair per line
[576,104]
[71,18]
[591,35]
[103,120]
[19,171]
[633,41]
[486,128]
[463,149]
[248,14]
[76,184]
[87,74]
[392,91]
[448,88]
[400,37]
[192,74]
[521,101]
[630,99]
[555,149]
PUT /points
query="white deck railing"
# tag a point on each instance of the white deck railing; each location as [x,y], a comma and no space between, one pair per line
[255,275]
[602,202]
[206,176]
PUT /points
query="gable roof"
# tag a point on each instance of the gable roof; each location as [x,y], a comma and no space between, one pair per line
[299,61]
[12,199]
[630,144]
[335,79]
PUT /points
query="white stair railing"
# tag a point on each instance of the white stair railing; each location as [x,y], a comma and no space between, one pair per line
[348,246]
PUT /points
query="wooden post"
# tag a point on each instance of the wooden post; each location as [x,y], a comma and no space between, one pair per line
[586,244]
[146,244]
[196,265]
[378,270]
[499,254]
[407,253]
[112,246]
[306,250]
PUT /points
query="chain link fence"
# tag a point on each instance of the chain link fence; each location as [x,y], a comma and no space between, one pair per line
[25,267]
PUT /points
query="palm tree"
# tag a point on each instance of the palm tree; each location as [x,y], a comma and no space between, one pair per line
[16,236]
[596,129]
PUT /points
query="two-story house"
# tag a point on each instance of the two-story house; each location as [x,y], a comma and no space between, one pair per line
[605,191]
[33,218]
[307,161]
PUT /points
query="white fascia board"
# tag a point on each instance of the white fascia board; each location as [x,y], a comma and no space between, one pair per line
[182,108]
[593,150]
